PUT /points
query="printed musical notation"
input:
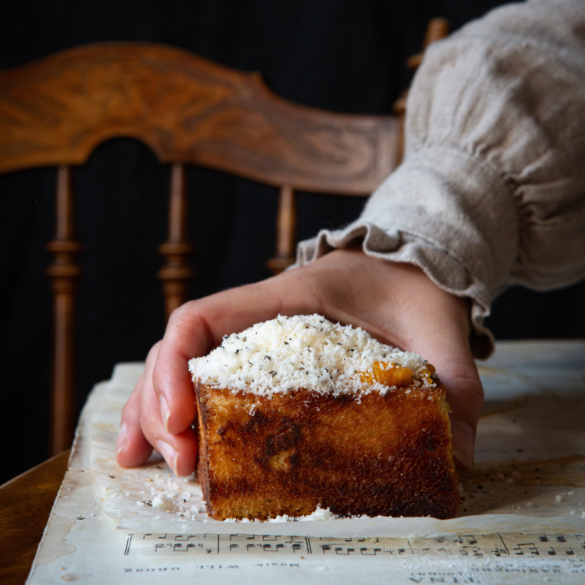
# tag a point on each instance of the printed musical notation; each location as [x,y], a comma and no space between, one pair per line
[506,545]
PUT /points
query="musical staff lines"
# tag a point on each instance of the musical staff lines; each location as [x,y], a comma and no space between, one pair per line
[503,545]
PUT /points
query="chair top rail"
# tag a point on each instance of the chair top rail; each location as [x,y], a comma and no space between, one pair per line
[56,110]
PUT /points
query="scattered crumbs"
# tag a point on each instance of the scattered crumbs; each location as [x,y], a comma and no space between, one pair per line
[559,498]
[509,480]
[318,515]
[529,504]
[516,474]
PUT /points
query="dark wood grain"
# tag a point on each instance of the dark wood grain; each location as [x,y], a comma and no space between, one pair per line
[286,222]
[189,110]
[64,274]
[176,273]
[25,506]
[437,29]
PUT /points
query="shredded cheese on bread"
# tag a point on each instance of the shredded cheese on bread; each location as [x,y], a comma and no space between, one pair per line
[310,352]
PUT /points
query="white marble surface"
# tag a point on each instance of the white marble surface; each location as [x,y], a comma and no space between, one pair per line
[531,469]
[534,412]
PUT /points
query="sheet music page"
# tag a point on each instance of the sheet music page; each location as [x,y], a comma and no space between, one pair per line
[522,517]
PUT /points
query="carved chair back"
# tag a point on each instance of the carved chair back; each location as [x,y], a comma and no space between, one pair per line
[189,111]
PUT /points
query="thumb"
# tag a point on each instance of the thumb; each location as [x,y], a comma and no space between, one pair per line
[459,374]
[447,348]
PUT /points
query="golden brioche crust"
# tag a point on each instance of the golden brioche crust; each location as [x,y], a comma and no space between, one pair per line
[354,453]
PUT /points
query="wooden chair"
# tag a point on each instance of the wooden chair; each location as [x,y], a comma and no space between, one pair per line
[189,111]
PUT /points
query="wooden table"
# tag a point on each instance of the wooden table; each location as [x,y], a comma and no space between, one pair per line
[25,505]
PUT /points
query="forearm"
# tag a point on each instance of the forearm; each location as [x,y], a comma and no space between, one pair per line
[491,191]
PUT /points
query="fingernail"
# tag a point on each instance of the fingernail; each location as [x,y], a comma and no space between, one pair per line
[122,439]
[169,453]
[165,411]
[463,443]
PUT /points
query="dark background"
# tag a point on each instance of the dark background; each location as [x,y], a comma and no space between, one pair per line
[346,56]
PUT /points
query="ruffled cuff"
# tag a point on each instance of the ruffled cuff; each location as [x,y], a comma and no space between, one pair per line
[448,213]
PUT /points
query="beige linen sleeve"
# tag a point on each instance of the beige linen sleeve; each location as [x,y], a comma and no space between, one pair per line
[492,188]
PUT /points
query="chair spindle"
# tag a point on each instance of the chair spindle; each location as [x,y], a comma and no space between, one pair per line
[64,274]
[176,273]
[285,231]
[437,29]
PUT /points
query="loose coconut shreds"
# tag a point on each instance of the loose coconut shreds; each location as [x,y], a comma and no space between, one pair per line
[305,351]
[318,515]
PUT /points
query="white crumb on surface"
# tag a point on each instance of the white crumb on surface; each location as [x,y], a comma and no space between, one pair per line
[317,515]
[305,351]
[180,496]
[163,502]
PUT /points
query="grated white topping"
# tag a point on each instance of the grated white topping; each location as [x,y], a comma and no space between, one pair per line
[305,351]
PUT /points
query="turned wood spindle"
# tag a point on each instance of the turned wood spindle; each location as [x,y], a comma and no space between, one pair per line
[64,274]
[176,273]
[285,231]
[437,29]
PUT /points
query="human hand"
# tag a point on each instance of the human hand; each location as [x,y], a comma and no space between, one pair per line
[396,303]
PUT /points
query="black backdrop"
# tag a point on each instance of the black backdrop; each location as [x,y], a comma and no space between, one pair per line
[346,56]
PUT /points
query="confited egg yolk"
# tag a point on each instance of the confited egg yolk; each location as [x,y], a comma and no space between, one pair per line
[427,373]
[388,374]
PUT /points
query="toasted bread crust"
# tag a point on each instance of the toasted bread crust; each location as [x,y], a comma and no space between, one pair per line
[354,453]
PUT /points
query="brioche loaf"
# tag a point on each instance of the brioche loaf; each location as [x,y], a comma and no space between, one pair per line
[298,412]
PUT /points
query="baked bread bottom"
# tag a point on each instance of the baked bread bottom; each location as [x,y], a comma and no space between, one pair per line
[355,453]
